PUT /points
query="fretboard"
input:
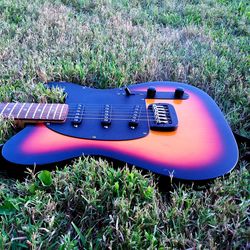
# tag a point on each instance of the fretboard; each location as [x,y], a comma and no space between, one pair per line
[34,112]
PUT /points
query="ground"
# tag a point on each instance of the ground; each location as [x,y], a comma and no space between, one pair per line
[109,43]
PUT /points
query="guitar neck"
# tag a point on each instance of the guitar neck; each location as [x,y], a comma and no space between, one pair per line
[34,112]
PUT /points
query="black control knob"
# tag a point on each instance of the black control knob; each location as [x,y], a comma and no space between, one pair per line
[179,92]
[151,92]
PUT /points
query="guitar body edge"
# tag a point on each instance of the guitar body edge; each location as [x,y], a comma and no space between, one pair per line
[202,147]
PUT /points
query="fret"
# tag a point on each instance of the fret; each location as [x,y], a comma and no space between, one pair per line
[43,110]
[28,110]
[12,109]
[35,111]
[6,105]
[65,112]
[56,111]
[62,108]
[20,111]
[24,111]
[47,117]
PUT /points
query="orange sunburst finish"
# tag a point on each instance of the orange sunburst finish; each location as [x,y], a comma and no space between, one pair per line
[192,150]
[198,145]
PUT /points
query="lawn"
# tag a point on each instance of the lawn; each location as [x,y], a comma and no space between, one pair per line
[109,43]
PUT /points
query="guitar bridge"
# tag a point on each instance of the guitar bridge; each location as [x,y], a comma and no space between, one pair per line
[162,117]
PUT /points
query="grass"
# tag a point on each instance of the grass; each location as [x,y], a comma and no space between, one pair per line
[109,43]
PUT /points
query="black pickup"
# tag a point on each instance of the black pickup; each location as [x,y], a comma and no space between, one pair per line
[78,115]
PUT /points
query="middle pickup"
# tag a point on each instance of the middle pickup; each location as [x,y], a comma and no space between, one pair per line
[77,115]
[134,121]
[106,116]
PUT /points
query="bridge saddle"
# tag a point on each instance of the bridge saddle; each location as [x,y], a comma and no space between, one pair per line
[162,117]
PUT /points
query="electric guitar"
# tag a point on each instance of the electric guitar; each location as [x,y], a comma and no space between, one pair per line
[170,128]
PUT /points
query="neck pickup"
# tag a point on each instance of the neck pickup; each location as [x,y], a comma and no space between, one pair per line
[34,112]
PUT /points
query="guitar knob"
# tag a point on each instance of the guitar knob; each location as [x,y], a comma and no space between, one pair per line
[151,92]
[178,93]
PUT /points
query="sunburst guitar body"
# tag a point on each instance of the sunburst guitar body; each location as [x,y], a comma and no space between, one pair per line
[169,128]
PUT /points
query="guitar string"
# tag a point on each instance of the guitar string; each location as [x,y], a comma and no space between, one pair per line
[123,107]
[75,106]
[102,118]
[91,110]
[111,105]
[116,113]
[91,115]
[73,110]
[102,110]
[113,119]
[131,114]
[99,116]
[112,115]
[117,108]
[143,114]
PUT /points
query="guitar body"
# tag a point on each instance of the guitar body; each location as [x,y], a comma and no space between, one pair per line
[201,147]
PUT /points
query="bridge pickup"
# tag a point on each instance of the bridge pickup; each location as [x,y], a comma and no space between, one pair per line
[133,123]
[78,115]
[162,117]
[106,121]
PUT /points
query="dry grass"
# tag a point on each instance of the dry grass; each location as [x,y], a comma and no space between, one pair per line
[107,44]
[104,45]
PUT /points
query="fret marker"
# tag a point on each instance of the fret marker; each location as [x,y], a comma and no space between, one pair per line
[49,111]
